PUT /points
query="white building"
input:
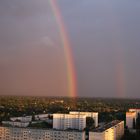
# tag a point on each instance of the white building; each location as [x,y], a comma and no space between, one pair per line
[41,117]
[11,133]
[93,115]
[130,116]
[137,110]
[22,119]
[15,124]
[66,121]
[111,131]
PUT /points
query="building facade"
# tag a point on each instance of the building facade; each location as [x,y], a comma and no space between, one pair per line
[111,131]
[66,121]
[11,133]
[22,119]
[93,115]
[137,110]
[15,124]
[130,117]
[42,117]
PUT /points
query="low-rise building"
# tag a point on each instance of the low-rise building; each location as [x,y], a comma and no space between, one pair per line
[41,117]
[22,119]
[110,131]
[15,123]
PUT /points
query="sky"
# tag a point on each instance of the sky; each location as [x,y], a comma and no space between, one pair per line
[104,41]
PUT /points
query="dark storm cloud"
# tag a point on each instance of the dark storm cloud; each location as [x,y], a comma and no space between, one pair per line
[104,38]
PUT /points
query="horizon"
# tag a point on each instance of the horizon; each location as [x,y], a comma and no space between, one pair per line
[76,97]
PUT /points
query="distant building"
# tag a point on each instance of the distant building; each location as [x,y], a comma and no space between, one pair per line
[111,131]
[15,124]
[137,110]
[66,121]
[130,117]
[22,119]
[18,121]
[11,133]
[41,117]
[93,115]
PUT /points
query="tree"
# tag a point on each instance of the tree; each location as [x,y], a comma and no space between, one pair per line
[33,117]
[89,122]
[138,122]
[134,123]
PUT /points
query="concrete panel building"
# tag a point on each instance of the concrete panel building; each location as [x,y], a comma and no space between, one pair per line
[130,117]
[41,116]
[93,115]
[110,131]
[11,133]
[66,121]
[137,110]
[15,124]
[22,119]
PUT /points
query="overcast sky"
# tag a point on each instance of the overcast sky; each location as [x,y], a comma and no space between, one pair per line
[105,42]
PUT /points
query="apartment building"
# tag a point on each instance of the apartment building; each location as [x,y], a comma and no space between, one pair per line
[130,117]
[18,121]
[110,131]
[15,124]
[12,133]
[137,110]
[22,119]
[66,121]
[93,115]
[41,117]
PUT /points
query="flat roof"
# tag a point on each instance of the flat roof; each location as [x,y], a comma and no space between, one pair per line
[47,129]
[131,113]
[107,126]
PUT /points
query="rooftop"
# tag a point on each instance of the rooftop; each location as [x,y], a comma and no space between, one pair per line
[131,113]
[107,126]
[47,129]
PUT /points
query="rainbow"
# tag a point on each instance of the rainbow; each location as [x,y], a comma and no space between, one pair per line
[120,74]
[119,57]
[71,76]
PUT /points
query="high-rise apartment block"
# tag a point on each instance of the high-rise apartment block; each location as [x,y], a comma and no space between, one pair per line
[69,121]
[137,110]
[130,118]
[110,131]
[12,133]
[93,115]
